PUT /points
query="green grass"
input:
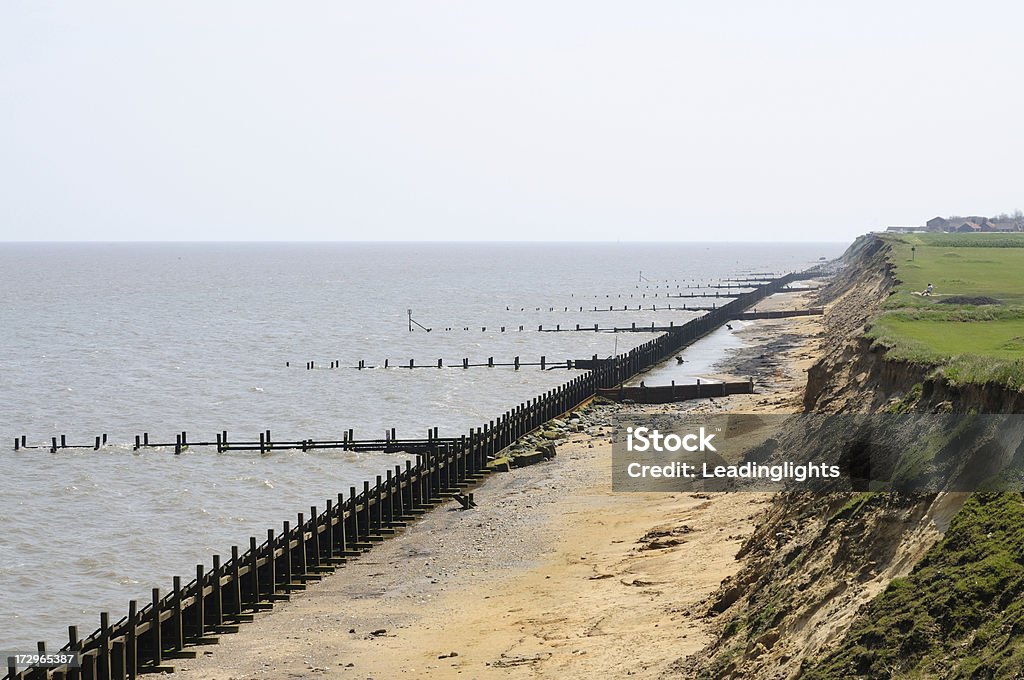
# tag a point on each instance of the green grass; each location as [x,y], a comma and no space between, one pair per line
[994,240]
[959,614]
[957,266]
[967,343]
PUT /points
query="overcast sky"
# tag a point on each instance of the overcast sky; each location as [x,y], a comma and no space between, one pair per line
[552,120]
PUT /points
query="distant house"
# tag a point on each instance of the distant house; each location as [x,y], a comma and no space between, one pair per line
[976,224]
[1008,224]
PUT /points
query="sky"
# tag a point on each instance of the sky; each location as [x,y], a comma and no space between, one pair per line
[553,120]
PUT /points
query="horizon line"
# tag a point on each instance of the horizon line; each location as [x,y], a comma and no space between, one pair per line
[397,242]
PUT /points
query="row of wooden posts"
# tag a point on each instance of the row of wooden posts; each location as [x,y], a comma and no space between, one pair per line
[639,307]
[231,591]
[348,442]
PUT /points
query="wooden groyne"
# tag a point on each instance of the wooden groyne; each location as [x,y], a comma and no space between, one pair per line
[780,314]
[664,394]
[265,444]
[228,592]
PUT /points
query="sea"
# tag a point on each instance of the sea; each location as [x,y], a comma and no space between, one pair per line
[125,338]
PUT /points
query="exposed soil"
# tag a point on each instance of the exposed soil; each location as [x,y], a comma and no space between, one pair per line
[969,300]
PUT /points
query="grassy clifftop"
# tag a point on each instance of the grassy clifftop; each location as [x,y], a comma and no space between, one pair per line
[972,326]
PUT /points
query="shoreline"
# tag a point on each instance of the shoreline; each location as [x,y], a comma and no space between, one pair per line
[549,570]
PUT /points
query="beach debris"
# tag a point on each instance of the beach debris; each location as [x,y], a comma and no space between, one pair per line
[659,539]
[466,501]
[509,661]
[449,655]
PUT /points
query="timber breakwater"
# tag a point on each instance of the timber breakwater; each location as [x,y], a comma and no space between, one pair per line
[228,592]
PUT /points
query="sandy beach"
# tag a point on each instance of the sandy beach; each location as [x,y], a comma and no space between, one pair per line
[553,575]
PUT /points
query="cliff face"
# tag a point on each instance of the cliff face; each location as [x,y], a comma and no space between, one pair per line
[819,562]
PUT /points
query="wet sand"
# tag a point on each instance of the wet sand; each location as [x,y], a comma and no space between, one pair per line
[553,575]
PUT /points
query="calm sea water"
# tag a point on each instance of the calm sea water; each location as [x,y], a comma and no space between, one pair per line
[126,338]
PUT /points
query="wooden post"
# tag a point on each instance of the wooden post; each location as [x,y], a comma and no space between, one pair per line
[314,535]
[74,646]
[271,564]
[329,550]
[353,528]
[131,640]
[177,625]
[216,597]
[200,601]
[365,524]
[117,661]
[342,537]
[378,507]
[286,546]
[253,571]
[300,531]
[236,581]
[156,634]
[103,659]
[403,505]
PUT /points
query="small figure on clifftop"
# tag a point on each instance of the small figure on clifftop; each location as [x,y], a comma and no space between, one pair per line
[928,290]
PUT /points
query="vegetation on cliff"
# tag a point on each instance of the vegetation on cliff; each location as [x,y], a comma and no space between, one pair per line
[958,614]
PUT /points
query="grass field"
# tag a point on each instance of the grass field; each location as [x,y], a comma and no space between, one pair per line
[969,343]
